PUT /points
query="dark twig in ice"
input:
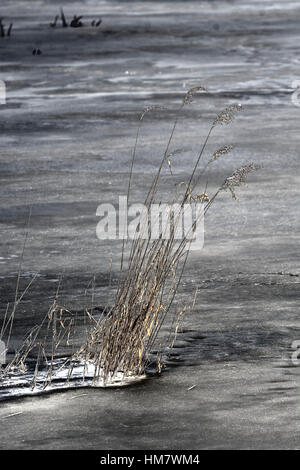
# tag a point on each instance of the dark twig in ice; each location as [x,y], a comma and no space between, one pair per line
[54,22]
[76,22]
[63,18]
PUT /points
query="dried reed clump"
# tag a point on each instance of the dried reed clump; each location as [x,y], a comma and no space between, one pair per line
[43,342]
[121,341]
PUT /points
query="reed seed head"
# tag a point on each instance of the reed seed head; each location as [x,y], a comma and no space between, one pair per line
[220,152]
[188,98]
[238,178]
[150,108]
[228,114]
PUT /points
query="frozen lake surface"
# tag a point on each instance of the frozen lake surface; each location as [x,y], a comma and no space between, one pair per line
[67,133]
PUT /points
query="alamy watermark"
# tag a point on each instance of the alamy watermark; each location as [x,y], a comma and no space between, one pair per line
[296,93]
[157,221]
[2,92]
[2,353]
[295,355]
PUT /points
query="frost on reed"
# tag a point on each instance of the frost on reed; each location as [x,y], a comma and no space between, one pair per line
[121,341]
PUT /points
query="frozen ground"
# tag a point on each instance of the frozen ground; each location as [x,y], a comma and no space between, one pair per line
[67,131]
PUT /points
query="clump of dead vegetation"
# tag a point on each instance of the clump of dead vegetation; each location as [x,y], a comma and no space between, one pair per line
[3,31]
[76,21]
[122,340]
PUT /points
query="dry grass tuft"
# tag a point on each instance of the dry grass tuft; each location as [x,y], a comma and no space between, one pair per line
[120,342]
